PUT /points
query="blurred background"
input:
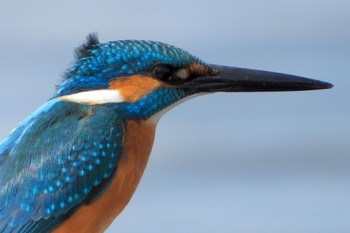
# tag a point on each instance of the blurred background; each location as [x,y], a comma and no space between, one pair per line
[262,162]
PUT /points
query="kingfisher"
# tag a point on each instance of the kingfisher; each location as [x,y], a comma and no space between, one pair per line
[74,163]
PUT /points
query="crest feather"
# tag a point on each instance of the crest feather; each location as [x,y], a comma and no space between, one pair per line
[84,50]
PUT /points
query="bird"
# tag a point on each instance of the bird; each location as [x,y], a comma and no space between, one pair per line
[74,163]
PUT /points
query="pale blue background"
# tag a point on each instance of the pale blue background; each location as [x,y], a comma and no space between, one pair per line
[271,162]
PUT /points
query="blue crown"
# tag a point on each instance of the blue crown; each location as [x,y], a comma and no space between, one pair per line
[97,63]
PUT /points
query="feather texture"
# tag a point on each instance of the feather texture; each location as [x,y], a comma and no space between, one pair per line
[53,160]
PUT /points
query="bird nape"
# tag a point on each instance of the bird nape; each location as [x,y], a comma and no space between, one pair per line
[74,163]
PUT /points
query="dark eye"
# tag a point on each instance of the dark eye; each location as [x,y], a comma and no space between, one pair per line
[163,72]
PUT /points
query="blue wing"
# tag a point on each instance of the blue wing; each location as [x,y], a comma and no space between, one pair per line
[53,160]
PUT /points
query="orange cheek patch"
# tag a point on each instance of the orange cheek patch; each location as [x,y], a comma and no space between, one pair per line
[198,69]
[132,88]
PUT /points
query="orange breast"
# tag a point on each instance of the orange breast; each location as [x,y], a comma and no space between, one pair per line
[97,216]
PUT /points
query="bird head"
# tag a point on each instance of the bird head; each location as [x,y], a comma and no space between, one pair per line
[146,77]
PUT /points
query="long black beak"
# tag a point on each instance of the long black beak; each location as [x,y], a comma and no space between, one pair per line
[232,79]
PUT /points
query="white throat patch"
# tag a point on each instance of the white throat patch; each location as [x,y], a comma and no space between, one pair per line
[94,97]
[156,117]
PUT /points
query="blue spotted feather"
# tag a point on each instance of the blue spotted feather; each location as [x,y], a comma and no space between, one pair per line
[53,160]
[97,63]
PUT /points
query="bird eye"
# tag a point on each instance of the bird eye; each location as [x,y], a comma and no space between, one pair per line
[163,72]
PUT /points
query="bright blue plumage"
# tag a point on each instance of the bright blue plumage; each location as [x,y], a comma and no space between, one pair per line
[152,103]
[97,63]
[52,161]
